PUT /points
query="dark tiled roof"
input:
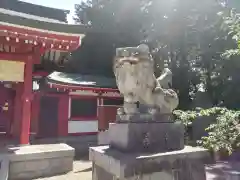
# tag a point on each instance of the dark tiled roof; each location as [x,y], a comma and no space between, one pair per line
[29,16]
[33,9]
[22,19]
[81,80]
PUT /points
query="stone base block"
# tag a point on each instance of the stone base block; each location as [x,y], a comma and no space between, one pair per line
[4,166]
[34,161]
[185,164]
[103,138]
[146,136]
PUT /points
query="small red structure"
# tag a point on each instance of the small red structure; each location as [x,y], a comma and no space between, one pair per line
[74,104]
[24,39]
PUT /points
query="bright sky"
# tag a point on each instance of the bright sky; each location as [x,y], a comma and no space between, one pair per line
[60,4]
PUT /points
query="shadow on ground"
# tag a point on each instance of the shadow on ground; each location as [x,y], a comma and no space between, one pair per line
[84,170]
[216,171]
[81,157]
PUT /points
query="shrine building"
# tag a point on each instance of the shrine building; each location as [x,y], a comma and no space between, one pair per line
[42,104]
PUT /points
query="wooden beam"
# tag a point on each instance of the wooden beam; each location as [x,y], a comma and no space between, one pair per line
[75,87]
[15,56]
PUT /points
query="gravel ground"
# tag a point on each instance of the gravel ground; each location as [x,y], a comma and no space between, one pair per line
[83,171]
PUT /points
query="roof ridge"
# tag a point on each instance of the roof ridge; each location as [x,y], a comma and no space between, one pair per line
[29,16]
[35,9]
[65,10]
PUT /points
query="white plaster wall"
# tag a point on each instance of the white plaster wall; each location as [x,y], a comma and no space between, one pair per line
[82,126]
[83,93]
[111,94]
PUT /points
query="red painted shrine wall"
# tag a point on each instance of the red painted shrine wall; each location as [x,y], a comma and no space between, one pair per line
[84,117]
[35,110]
[108,111]
[105,114]
[45,106]
[63,115]
[16,125]
[6,109]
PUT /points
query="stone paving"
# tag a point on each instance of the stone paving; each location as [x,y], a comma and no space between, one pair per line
[83,171]
[216,171]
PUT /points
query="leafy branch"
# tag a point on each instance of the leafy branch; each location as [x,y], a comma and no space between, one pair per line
[224,135]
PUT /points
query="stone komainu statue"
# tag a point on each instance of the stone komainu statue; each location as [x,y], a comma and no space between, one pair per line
[134,72]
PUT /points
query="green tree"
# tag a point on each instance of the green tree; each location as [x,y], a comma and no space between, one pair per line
[231,66]
[114,24]
[187,35]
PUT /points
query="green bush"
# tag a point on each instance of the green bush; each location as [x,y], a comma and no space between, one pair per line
[223,135]
[186,117]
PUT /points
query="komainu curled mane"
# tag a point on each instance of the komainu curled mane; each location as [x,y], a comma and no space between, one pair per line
[134,72]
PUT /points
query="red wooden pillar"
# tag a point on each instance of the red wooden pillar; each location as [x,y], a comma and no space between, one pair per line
[26,102]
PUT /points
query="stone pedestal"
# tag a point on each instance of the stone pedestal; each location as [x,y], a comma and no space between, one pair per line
[146,136]
[34,161]
[147,147]
[185,164]
[103,138]
[4,166]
